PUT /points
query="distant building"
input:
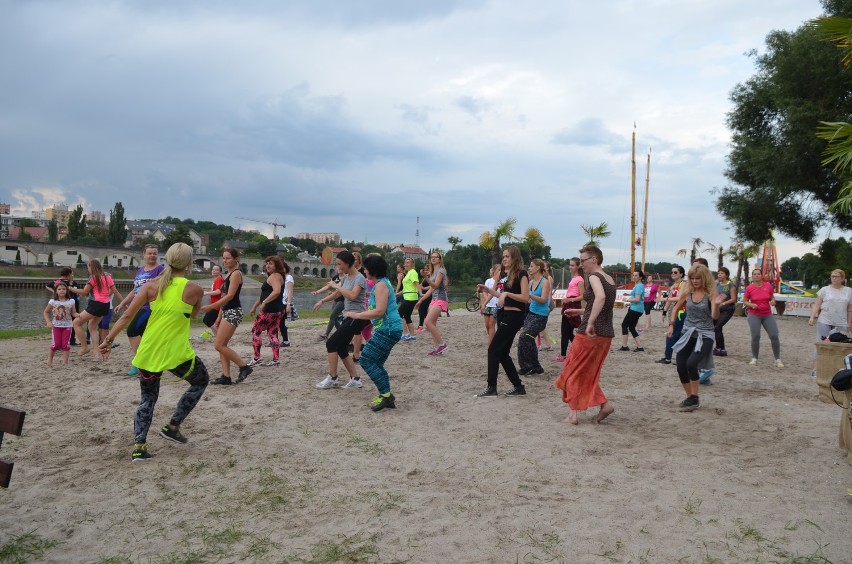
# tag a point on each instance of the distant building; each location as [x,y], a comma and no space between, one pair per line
[329,238]
[5,212]
[415,253]
[38,234]
[59,212]
[96,216]
[199,243]
[329,254]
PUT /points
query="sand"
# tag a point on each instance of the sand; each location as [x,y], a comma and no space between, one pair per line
[277,470]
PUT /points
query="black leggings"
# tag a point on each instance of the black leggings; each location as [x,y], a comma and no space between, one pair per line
[423,311]
[508,325]
[688,360]
[567,336]
[630,321]
[725,315]
[406,308]
[282,326]
[340,339]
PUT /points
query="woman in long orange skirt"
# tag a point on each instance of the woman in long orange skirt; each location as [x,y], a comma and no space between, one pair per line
[580,377]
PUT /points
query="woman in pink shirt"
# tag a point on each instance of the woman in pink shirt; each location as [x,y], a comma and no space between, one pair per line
[759,298]
[100,285]
[572,304]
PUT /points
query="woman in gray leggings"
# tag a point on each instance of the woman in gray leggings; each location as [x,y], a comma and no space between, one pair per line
[759,298]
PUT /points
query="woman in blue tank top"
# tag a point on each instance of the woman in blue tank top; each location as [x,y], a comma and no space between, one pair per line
[387,330]
[536,319]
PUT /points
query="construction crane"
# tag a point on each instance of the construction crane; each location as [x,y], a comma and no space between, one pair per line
[275,225]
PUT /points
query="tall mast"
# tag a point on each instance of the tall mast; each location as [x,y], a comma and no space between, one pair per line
[645,219]
[633,203]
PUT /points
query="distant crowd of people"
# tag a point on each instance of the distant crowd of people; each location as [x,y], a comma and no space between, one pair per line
[370,314]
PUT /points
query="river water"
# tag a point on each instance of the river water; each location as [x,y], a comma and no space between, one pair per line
[22,309]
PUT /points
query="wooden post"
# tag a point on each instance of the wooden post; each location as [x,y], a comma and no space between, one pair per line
[11,421]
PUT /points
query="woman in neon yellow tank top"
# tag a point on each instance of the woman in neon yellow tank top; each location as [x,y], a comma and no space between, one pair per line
[165,346]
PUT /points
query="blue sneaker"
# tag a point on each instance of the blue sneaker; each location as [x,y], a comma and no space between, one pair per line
[704,377]
[133,371]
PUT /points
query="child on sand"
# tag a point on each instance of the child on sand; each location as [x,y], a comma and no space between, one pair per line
[62,312]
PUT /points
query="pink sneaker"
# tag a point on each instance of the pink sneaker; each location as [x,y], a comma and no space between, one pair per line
[419,329]
[558,358]
[438,350]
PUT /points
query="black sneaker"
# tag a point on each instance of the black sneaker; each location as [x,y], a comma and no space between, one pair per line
[488,392]
[538,370]
[175,436]
[690,404]
[639,349]
[383,401]
[663,361]
[517,391]
[524,371]
[140,453]
[222,380]
[624,349]
[244,373]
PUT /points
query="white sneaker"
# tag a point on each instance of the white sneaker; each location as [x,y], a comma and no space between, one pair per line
[778,363]
[354,383]
[328,382]
[254,362]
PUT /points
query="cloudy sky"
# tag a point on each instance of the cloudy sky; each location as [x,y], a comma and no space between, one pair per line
[358,117]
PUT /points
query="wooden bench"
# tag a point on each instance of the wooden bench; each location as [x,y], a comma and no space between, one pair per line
[11,421]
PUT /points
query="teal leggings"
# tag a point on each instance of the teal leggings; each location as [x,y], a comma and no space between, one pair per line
[374,355]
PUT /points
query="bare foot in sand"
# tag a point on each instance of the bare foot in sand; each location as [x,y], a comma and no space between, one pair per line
[606,411]
[572,418]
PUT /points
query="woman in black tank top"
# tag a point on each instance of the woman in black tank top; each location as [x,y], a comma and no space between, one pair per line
[231,313]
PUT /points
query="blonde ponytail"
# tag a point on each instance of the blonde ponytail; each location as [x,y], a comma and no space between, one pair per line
[178,257]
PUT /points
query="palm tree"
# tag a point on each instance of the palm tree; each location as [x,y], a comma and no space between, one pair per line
[693,252]
[741,252]
[596,232]
[534,240]
[492,239]
[720,257]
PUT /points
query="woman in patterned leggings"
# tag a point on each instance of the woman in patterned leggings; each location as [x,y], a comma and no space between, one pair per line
[269,309]
[165,346]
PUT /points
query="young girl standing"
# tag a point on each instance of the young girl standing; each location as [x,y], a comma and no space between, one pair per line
[62,311]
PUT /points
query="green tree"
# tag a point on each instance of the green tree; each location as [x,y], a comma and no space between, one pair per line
[778,179]
[53,231]
[262,246]
[27,222]
[813,270]
[106,260]
[492,240]
[454,242]
[117,233]
[18,257]
[595,233]
[76,224]
[50,258]
[468,265]
[80,260]
[179,235]
[790,269]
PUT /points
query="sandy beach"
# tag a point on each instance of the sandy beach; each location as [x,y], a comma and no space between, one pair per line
[277,470]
